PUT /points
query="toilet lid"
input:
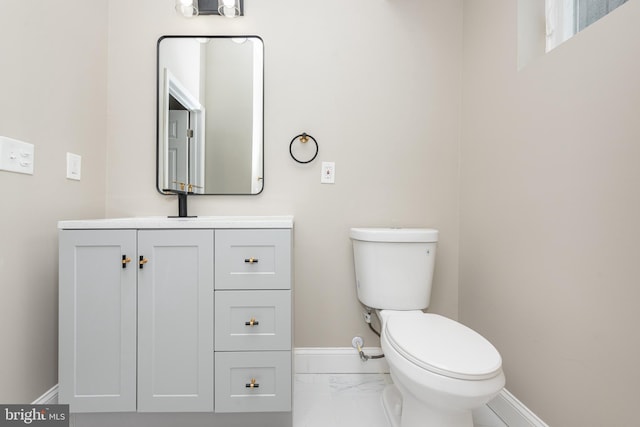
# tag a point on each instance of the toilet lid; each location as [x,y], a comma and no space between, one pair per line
[443,346]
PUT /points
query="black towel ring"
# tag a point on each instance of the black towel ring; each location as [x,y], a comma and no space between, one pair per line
[303,138]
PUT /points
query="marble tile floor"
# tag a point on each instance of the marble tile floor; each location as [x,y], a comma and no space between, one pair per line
[341,400]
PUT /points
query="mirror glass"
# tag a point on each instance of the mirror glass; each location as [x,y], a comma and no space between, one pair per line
[210,114]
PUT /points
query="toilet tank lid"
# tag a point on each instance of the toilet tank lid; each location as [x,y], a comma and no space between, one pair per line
[398,235]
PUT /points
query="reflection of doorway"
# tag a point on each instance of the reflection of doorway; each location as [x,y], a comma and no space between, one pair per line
[178,166]
[182,136]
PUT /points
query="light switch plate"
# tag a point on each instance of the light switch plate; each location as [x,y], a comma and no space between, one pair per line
[328,173]
[74,166]
[16,156]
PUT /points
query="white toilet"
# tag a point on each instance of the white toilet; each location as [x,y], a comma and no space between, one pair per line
[441,369]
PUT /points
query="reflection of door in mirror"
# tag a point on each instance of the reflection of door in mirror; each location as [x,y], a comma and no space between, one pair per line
[178,145]
[181,139]
[222,76]
[184,170]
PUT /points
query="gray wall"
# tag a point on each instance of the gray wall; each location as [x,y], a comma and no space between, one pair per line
[54,95]
[549,210]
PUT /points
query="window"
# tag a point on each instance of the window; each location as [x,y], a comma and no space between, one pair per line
[565,18]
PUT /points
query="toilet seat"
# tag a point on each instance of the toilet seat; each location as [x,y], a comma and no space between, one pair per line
[442,346]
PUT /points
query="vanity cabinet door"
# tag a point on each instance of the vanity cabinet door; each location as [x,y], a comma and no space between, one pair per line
[253,259]
[97,320]
[175,320]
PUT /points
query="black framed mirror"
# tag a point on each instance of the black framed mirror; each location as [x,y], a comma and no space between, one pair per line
[210,95]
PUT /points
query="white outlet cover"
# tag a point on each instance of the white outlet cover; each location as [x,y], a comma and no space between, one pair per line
[328,173]
[74,166]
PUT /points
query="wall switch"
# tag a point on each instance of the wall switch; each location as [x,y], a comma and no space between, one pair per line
[328,173]
[16,156]
[74,166]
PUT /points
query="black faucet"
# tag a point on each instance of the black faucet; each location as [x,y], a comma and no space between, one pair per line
[182,202]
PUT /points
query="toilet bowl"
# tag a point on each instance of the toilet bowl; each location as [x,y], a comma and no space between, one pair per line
[441,370]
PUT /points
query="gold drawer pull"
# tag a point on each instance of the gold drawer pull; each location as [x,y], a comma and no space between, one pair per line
[125,260]
[142,261]
[252,384]
[252,322]
[251,260]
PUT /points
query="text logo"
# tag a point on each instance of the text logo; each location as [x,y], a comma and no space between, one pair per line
[34,415]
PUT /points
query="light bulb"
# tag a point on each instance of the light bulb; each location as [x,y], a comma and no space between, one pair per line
[228,8]
[187,8]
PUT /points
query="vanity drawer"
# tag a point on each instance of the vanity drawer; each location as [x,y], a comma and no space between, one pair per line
[253,259]
[253,320]
[270,373]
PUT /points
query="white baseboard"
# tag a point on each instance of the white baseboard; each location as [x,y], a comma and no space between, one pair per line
[50,397]
[513,412]
[337,360]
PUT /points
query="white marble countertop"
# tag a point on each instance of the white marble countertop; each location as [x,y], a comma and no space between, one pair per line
[283,221]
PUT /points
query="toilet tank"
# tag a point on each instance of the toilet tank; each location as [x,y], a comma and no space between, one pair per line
[394,266]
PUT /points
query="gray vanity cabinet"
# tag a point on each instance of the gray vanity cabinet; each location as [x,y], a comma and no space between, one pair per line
[136,295]
[182,319]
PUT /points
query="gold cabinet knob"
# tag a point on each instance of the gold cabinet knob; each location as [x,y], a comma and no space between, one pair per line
[252,384]
[252,322]
[125,260]
[142,261]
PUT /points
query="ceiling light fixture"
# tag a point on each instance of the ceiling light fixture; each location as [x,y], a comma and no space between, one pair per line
[228,8]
